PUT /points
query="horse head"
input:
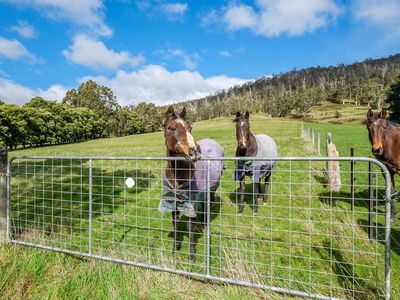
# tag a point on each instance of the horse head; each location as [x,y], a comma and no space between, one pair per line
[178,138]
[242,129]
[377,125]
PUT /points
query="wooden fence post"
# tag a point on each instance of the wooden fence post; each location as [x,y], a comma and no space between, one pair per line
[333,167]
[3,194]
[312,136]
[319,142]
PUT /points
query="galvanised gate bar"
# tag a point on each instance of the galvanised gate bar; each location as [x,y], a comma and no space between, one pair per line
[305,240]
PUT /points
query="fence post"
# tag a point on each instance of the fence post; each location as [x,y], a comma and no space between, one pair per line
[90,206]
[352,179]
[319,142]
[3,194]
[208,245]
[371,197]
[333,167]
[312,136]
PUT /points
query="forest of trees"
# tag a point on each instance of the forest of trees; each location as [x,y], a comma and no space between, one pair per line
[92,111]
[295,92]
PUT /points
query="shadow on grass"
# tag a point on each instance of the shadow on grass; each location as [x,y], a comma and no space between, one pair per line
[379,234]
[352,284]
[248,196]
[361,198]
[53,195]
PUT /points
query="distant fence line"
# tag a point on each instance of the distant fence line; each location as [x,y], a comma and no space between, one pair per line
[313,135]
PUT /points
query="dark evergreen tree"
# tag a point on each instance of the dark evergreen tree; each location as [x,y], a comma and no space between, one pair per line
[393,99]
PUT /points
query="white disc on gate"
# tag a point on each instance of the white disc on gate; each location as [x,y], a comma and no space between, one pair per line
[129,182]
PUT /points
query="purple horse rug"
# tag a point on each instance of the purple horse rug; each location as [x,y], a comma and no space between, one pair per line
[268,149]
[189,196]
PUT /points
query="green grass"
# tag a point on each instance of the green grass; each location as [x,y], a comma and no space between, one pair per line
[33,273]
[337,113]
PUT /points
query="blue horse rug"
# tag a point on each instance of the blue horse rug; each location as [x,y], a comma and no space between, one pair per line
[189,196]
[267,148]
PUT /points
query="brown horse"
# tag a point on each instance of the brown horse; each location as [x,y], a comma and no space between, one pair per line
[185,181]
[250,145]
[385,140]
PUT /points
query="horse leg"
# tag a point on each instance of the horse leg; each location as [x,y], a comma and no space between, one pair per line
[242,192]
[212,197]
[256,188]
[175,224]
[393,207]
[266,182]
[192,246]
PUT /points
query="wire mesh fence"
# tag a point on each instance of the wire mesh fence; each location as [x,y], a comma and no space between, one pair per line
[305,239]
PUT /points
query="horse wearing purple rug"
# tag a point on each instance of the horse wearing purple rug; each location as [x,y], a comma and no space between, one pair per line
[185,181]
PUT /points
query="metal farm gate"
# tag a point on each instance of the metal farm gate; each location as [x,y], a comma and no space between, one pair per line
[305,240]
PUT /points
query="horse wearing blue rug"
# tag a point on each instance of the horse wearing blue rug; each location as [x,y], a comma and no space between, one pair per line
[257,146]
[185,181]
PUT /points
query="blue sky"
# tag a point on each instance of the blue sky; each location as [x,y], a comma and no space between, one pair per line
[166,51]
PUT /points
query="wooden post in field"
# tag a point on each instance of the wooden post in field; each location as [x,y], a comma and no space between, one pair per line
[3,194]
[333,167]
[319,142]
[352,179]
[312,136]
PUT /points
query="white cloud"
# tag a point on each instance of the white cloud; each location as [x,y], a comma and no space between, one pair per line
[86,13]
[88,52]
[273,18]
[24,29]
[14,50]
[378,12]
[189,60]
[12,92]
[240,17]
[174,9]
[156,84]
[225,53]
[155,8]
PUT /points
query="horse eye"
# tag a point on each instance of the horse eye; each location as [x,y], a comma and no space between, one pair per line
[172,128]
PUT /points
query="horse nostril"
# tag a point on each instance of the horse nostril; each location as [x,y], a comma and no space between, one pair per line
[192,151]
[376,150]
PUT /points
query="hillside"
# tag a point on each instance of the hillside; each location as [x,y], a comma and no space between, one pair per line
[296,91]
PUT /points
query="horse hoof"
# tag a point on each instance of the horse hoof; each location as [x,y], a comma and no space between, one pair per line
[240,213]
[265,203]
[192,256]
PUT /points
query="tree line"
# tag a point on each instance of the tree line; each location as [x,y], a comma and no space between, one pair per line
[295,92]
[91,111]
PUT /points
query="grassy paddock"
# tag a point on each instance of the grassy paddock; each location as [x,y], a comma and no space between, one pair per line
[41,274]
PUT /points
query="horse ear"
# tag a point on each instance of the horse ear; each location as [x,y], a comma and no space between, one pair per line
[370,113]
[170,111]
[237,114]
[183,113]
[383,113]
[247,114]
